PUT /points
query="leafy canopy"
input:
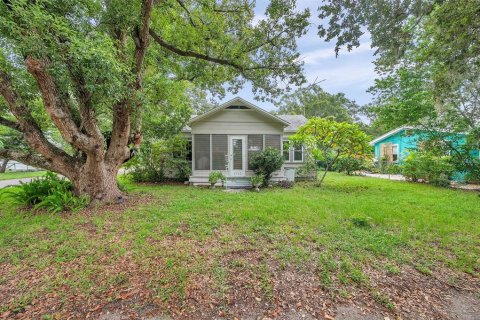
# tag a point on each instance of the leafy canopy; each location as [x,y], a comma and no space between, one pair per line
[313,101]
[328,140]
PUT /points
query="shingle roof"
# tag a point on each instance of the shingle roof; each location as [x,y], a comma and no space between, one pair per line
[295,120]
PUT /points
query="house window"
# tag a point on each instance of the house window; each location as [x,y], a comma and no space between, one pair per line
[389,152]
[202,151]
[272,140]
[286,150]
[219,151]
[254,145]
[298,153]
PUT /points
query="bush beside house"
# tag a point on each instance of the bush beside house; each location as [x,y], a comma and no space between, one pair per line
[266,162]
[161,160]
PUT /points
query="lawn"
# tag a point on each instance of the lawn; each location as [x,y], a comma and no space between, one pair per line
[197,253]
[9,175]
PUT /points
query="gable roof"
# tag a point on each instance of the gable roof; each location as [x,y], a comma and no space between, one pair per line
[389,134]
[239,100]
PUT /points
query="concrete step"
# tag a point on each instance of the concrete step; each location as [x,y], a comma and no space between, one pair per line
[238,183]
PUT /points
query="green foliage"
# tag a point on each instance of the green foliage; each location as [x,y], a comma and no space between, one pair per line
[215,176]
[429,168]
[315,102]
[351,164]
[328,140]
[266,162]
[51,193]
[160,161]
[402,98]
[257,180]
[97,59]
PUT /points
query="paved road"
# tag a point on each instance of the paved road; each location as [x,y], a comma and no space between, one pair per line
[14,182]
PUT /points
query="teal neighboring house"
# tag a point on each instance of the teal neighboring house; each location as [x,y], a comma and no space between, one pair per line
[394,146]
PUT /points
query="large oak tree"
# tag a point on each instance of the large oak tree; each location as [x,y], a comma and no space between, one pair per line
[89,72]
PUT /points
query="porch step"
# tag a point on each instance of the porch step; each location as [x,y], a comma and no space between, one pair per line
[238,183]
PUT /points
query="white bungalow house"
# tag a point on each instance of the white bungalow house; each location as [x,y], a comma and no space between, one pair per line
[223,139]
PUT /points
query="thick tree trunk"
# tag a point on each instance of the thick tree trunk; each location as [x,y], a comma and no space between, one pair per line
[3,167]
[97,180]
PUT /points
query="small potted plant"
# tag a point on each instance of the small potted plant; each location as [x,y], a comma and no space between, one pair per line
[214,177]
[257,181]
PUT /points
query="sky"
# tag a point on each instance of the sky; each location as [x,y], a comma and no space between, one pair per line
[351,72]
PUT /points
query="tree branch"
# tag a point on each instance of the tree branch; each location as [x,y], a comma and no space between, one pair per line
[10,124]
[27,158]
[118,150]
[56,108]
[193,54]
[32,133]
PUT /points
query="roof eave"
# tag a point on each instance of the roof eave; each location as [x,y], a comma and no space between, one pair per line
[388,134]
[226,104]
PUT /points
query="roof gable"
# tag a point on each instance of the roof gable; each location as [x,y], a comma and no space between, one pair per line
[239,104]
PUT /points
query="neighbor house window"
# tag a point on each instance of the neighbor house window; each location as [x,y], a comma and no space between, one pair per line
[389,152]
[395,152]
[286,150]
[202,151]
[298,153]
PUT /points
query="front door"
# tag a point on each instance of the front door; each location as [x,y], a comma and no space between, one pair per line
[237,163]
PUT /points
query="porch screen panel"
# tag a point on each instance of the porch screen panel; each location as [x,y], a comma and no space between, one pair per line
[273,140]
[202,151]
[219,151]
[255,145]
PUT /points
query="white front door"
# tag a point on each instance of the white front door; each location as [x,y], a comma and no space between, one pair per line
[237,156]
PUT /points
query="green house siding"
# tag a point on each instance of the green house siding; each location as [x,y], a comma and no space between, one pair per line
[408,139]
[405,142]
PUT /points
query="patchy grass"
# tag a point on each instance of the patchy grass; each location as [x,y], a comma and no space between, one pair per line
[9,175]
[187,251]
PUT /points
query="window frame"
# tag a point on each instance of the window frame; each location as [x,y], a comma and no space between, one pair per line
[398,152]
[301,153]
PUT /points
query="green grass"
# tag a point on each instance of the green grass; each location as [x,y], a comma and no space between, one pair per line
[186,233]
[21,174]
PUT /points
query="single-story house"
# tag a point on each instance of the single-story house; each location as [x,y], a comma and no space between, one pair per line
[225,138]
[394,146]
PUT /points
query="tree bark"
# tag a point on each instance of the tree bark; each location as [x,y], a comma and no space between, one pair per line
[97,180]
[3,167]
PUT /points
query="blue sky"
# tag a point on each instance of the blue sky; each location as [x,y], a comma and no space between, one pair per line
[351,72]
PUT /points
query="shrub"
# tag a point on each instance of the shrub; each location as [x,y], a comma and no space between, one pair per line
[214,177]
[161,160]
[393,168]
[51,193]
[266,162]
[257,180]
[351,164]
[428,168]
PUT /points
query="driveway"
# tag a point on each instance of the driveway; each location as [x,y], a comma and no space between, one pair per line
[13,182]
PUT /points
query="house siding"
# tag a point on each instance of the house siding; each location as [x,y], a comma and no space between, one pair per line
[239,122]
